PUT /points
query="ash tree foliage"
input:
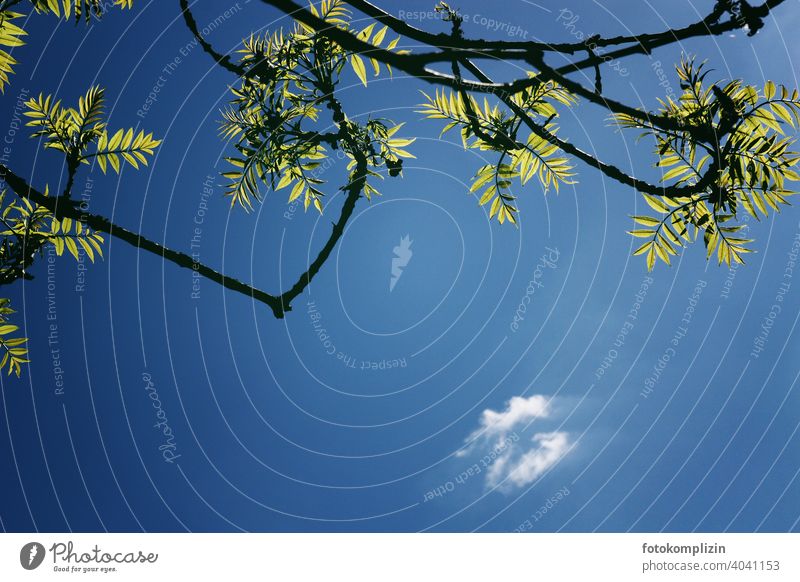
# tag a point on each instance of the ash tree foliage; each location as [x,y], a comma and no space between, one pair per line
[737,133]
[721,146]
[12,35]
[290,80]
[32,227]
[27,227]
[495,129]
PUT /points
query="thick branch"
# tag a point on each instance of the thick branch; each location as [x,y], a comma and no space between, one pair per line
[223,60]
[65,208]
[641,43]
[646,43]
[415,65]
[609,170]
[353,190]
[409,65]
[453,48]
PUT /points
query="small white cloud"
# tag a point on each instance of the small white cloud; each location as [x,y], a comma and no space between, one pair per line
[519,469]
[509,460]
[518,410]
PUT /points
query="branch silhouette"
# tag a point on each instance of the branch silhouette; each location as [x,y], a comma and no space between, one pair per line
[354,189]
[609,170]
[457,50]
[736,128]
[222,60]
[643,43]
[533,52]
[415,65]
[65,208]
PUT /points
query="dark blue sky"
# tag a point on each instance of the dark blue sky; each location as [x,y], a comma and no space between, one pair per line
[349,413]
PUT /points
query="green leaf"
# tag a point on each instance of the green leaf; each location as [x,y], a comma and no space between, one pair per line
[647,220]
[769,90]
[488,195]
[358,66]
[297,191]
[378,38]
[675,172]
[651,258]
[656,204]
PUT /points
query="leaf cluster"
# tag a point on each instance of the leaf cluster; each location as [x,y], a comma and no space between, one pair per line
[11,34]
[27,228]
[274,114]
[79,8]
[15,353]
[495,128]
[81,132]
[732,145]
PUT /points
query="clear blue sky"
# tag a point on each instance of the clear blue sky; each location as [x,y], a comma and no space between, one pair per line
[273,433]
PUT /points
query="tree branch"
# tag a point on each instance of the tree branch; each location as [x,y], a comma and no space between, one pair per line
[646,43]
[415,65]
[455,48]
[444,41]
[531,52]
[353,189]
[64,208]
[609,170]
[642,43]
[222,60]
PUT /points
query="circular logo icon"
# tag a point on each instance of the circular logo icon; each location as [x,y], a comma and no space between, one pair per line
[31,555]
